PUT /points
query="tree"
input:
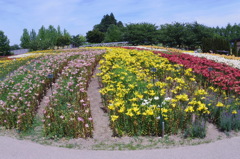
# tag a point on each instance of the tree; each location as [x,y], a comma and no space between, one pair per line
[113,34]
[141,33]
[106,21]
[43,42]
[51,36]
[25,39]
[214,44]
[33,40]
[62,41]
[78,40]
[172,34]
[4,44]
[14,47]
[95,36]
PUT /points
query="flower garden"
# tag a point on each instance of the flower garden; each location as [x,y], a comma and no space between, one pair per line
[146,93]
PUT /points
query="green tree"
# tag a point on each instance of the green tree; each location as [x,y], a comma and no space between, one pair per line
[141,33]
[95,36]
[173,34]
[106,21]
[4,44]
[51,36]
[113,34]
[41,39]
[25,39]
[14,47]
[78,40]
[33,40]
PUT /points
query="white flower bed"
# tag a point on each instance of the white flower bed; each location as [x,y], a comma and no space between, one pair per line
[230,62]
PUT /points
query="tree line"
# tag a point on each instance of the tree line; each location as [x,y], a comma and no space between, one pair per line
[181,35]
[49,38]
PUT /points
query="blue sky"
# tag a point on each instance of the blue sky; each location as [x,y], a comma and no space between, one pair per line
[79,16]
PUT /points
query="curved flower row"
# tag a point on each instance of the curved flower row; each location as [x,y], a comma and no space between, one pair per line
[68,110]
[22,92]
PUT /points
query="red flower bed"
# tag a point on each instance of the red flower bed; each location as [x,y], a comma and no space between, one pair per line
[228,78]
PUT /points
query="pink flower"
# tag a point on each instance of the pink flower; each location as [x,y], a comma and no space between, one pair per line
[80,119]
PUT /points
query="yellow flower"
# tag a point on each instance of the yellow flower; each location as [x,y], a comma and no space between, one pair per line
[219,104]
[164,110]
[114,117]
[129,112]
[182,97]
[149,112]
[111,107]
[122,109]
[189,109]
[135,109]
[151,93]
[234,112]
[200,92]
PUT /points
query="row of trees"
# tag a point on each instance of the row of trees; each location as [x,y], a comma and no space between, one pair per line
[48,38]
[184,35]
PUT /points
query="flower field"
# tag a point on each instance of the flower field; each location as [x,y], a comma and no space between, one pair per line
[22,91]
[145,93]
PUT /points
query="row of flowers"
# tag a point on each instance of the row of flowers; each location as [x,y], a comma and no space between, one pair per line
[222,75]
[8,66]
[68,109]
[143,91]
[22,92]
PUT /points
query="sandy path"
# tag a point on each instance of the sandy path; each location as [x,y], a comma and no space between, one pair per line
[18,149]
[102,130]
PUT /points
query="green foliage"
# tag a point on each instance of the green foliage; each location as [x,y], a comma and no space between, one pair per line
[62,41]
[141,33]
[172,34]
[78,40]
[14,47]
[183,34]
[95,36]
[45,39]
[4,44]
[234,49]
[214,44]
[25,39]
[196,130]
[113,34]
[229,121]
[105,23]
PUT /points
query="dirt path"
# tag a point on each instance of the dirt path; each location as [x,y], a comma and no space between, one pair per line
[102,130]
[42,104]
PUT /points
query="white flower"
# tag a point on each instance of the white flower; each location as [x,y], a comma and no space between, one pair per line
[156,98]
[158,118]
[167,99]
